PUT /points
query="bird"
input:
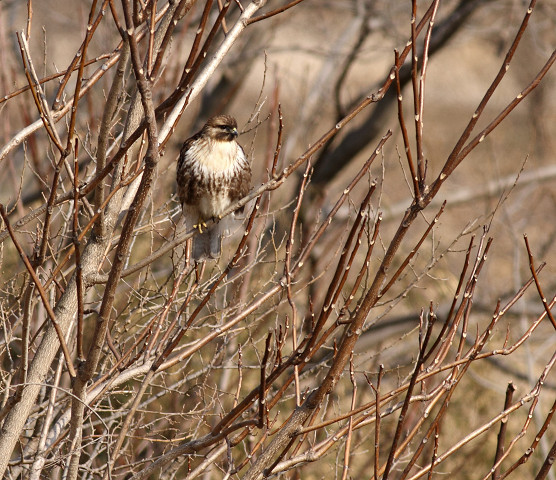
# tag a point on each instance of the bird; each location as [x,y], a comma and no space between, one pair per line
[212,174]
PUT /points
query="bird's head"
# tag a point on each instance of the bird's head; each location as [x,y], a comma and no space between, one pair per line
[222,128]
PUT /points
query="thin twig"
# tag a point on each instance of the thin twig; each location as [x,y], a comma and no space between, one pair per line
[273,12]
[412,253]
[376,462]
[525,457]
[262,383]
[347,448]
[403,128]
[537,283]
[501,439]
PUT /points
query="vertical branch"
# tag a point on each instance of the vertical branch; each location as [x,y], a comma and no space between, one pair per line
[501,439]
[193,63]
[365,265]
[278,148]
[347,448]
[177,12]
[26,332]
[239,375]
[533,446]
[434,450]
[548,463]
[414,85]
[40,457]
[152,24]
[421,99]
[110,108]
[262,382]
[407,400]
[376,462]
[358,229]
[197,40]
[287,272]
[29,18]
[76,245]
[403,128]
[224,26]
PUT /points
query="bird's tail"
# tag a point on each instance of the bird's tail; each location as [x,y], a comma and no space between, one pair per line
[208,244]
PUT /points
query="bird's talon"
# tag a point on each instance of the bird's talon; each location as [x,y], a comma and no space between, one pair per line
[199,226]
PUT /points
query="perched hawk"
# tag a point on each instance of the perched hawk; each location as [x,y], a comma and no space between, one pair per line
[212,173]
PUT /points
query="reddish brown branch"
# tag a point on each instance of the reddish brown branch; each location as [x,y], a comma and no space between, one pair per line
[347,448]
[189,73]
[364,267]
[403,128]
[457,293]
[273,12]
[197,40]
[415,87]
[537,283]
[412,253]
[405,407]
[340,275]
[278,147]
[501,439]
[376,462]
[548,463]
[458,152]
[76,244]
[419,112]
[534,444]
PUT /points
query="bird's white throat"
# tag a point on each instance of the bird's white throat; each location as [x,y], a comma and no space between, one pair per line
[216,156]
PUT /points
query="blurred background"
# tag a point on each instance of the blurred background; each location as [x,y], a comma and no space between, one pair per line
[317,61]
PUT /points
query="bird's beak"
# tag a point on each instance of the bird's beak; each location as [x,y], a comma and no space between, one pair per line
[234,132]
